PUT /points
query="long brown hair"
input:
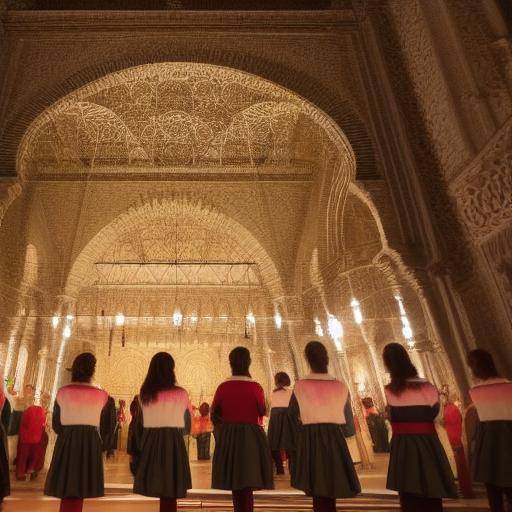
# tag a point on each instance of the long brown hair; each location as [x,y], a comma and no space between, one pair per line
[160,377]
[400,367]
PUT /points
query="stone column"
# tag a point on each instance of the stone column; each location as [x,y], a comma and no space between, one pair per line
[372,350]
[42,359]
[66,307]
[292,312]
[17,325]
[363,439]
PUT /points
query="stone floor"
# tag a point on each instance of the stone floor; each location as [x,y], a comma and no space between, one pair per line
[28,497]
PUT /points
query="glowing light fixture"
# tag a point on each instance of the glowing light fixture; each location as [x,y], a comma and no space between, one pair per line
[278,320]
[251,319]
[66,333]
[356,310]
[406,325]
[319,331]
[177,317]
[335,331]
[119,319]
[55,321]
[69,317]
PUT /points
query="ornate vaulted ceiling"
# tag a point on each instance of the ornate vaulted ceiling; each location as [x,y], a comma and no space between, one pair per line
[174,117]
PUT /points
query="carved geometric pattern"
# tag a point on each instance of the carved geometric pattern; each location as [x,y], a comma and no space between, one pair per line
[176,115]
[484,192]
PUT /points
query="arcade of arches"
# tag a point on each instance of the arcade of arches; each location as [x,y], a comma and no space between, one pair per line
[255,186]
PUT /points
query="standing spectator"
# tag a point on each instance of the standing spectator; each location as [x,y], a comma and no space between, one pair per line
[5,407]
[131,444]
[241,460]
[76,470]
[418,467]
[163,469]
[108,425]
[202,431]
[282,430]
[30,443]
[376,426]
[323,468]
[120,421]
[492,461]
[452,419]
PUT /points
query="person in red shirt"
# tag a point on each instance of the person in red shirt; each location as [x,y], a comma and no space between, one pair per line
[241,461]
[452,419]
[31,443]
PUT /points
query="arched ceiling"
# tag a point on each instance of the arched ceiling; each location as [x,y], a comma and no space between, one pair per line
[173,243]
[173,117]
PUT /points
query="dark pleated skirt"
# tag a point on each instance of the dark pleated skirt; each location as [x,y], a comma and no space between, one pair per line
[76,470]
[282,430]
[162,470]
[492,460]
[241,458]
[323,465]
[418,465]
[5,485]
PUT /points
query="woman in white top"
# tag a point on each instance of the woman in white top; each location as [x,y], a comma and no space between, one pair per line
[323,467]
[76,470]
[282,429]
[492,460]
[163,470]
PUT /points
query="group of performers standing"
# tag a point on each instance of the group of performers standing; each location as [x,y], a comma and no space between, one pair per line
[309,422]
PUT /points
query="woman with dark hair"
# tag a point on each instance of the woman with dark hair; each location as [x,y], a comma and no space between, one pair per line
[418,466]
[492,459]
[282,430]
[323,467]
[163,470]
[241,460]
[76,470]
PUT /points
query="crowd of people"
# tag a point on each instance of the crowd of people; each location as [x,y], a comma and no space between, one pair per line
[309,423]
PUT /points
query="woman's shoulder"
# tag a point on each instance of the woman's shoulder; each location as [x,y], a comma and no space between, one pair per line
[76,389]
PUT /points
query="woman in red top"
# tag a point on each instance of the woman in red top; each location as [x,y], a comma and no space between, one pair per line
[242,460]
[452,419]
[32,428]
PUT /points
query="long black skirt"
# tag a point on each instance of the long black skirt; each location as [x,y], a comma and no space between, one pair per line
[5,485]
[163,470]
[418,465]
[492,460]
[323,465]
[76,470]
[241,458]
[282,430]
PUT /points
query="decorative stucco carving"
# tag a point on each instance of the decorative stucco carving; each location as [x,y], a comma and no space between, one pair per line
[9,191]
[171,116]
[484,191]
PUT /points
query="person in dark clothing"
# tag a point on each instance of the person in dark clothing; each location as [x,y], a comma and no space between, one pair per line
[108,425]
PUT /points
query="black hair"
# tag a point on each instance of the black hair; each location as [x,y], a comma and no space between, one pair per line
[83,367]
[204,409]
[482,364]
[400,367]
[282,380]
[240,360]
[317,356]
[160,377]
